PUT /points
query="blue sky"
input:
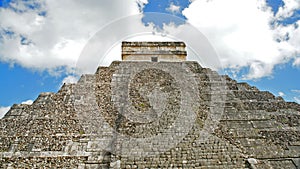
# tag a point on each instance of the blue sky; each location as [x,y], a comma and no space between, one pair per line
[39,43]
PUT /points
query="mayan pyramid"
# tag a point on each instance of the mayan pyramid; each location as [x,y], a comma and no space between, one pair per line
[154,109]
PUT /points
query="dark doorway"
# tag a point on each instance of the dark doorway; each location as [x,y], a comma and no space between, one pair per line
[154,59]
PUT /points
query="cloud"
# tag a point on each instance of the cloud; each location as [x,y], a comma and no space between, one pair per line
[243,36]
[288,9]
[70,79]
[281,94]
[297,62]
[290,34]
[297,99]
[296,91]
[297,95]
[173,8]
[29,102]
[3,111]
[52,34]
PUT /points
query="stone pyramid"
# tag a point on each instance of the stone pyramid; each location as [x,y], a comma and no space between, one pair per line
[159,114]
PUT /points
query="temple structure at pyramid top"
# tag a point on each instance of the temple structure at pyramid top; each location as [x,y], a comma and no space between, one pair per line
[154,51]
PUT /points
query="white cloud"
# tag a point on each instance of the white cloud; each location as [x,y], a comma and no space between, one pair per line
[297,95]
[296,62]
[70,79]
[297,99]
[296,91]
[291,35]
[241,33]
[288,9]
[173,8]
[3,111]
[29,102]
[281,94]
[57,39]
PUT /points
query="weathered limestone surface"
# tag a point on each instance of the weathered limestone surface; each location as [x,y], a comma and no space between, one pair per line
[152,115]
[144,51]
